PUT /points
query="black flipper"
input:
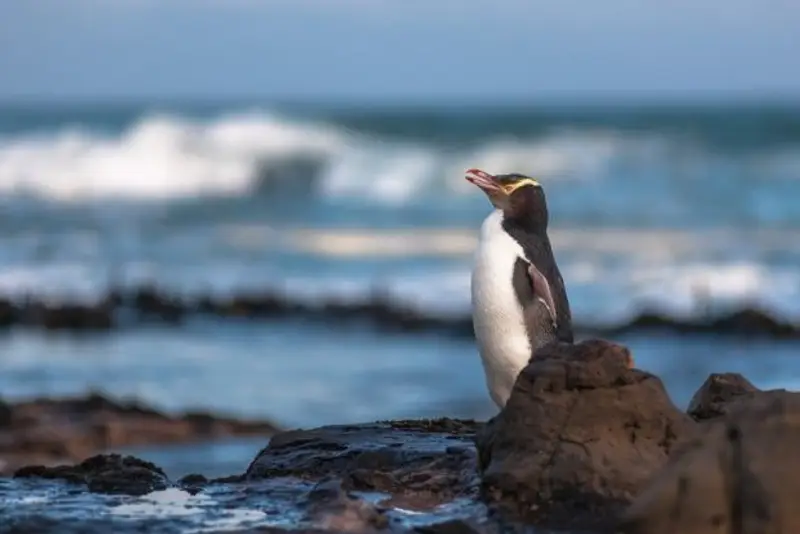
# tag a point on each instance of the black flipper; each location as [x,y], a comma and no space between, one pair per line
[534,295]
[541,289]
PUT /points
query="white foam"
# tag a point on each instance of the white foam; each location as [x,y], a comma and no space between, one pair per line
[28,500]
[233,519]
[160,156]
[165,156]
[173,502]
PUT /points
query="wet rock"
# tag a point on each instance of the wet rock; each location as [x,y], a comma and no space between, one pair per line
[331,508]
[193,479]
[109,473]
[456,526]
[51,431]
[740,475]
[193,484]
[718,394]
[580,434]
[428,461]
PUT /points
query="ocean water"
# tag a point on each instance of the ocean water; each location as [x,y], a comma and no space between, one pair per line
[682,208]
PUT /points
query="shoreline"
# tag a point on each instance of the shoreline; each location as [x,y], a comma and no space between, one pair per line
[618,455]
[53,430]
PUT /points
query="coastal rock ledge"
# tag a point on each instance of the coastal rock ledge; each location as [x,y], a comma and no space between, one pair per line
[586,443]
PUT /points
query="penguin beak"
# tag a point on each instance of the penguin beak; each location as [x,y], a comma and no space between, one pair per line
[487,182]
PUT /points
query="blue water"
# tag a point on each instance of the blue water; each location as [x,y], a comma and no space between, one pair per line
[649,206]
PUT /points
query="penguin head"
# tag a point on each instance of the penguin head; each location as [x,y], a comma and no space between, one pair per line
[521,198]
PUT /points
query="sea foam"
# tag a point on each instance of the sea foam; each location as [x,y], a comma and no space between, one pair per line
[167,156]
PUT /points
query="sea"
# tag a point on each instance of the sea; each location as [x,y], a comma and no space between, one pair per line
[682,208]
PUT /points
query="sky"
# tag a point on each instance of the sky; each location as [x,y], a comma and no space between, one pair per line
[397,50]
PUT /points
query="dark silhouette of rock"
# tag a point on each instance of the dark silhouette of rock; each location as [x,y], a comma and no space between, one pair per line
[739,476]
[149,303]
[718,394]
[6,414]
[743,322]
[194,483]
[50,431]
[193,479]
[109,473]
[9,313]
[580,434]
[153,304]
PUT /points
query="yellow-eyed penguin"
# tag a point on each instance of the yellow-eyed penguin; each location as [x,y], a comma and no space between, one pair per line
[519,302]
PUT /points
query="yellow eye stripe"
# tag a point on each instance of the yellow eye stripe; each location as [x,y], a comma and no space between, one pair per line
[516,185]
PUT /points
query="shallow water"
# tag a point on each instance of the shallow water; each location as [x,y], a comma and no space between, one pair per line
[58,507]
[52,506]
[305,374]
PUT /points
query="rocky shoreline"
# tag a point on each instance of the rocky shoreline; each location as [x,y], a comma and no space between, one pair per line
[150,304]
[586,443]
[55,430]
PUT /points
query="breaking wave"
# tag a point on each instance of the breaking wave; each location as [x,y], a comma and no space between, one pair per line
[168,156]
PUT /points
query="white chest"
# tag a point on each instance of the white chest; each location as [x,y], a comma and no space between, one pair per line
[496,313]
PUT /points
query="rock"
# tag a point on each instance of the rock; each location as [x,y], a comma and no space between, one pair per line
[581,445]
[747,322]
[388,476]
[193,483]
[193,479]
[110,473]
[580,434]
[426,462]
[51,431]
[454,526]
[150,303]
[718,394]
[6,414]
[741,474]
[331,508]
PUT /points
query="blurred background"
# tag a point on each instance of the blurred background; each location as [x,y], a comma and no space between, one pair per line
[317,149]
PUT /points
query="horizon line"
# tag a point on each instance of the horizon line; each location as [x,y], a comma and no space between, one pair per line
[566,99]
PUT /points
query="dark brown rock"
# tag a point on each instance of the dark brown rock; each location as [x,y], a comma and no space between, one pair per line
[331,508]
[420,464]
[580,434]
[105,474]
[741,475]
[52,431]
[718,394]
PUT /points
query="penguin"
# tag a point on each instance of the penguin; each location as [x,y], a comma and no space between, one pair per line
[519,301]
